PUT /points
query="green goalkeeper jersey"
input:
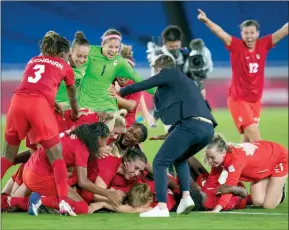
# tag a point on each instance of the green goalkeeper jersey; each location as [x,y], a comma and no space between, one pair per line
[100,74]
[61,96]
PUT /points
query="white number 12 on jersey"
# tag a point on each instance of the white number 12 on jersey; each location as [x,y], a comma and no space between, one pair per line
[253,67]
[37,74]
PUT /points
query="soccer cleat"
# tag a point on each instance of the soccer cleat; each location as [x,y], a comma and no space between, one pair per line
[186,205]
[156,212]
[34,204]
[284,191]
[65,209]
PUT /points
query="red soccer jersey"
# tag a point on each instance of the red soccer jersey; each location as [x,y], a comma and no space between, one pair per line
[251,162]
[248,69]
[87,117]
[74,154]
[42,76]
[130,117]
[105,168]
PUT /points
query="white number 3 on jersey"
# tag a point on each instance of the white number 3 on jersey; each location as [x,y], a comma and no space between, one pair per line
[37,74]
[253,67]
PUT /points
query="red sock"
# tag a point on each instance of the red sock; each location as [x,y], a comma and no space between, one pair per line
[51,202]
[60,176]
[5,164]
[20,202]
[79,207]
[4,202]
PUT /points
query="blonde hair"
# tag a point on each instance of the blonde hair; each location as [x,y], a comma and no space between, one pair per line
[126,51]
[139,195]
[116,119]
[115,150]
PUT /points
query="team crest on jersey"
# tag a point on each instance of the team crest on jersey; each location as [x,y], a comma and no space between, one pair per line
[231,168]
[115,62]
[83,72]
[258,56]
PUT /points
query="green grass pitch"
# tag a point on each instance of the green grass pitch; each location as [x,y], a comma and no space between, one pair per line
[274,127]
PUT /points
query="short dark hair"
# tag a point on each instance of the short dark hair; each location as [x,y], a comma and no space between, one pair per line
[172,34]
[163,61]
[144,131]
[250,23]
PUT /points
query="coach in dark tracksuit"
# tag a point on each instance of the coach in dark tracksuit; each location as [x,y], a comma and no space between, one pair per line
[180,104]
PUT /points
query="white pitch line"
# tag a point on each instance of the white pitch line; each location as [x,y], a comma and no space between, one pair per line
[257,213]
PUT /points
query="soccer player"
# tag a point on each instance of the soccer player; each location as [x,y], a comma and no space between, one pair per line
[263,163]
[128,167]
[248,58]
[31,109]
[78,60]
[105,64]
[79,146]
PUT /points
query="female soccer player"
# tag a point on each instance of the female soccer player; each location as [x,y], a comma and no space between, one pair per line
[31,110]
[105,64]
[79,146]
[263,163]
[248,59]
[78,60]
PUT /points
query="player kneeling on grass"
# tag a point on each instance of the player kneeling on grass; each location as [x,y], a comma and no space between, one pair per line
[263,163]
[78,146]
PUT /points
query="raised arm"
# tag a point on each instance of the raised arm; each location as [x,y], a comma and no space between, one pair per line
[280,34]
[217,30]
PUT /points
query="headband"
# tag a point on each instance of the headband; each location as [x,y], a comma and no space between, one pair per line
[130,62]
[111,36]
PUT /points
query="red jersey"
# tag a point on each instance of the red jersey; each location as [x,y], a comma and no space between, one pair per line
[87,117]
[105,168]
[130,117]
[248,69]
[74,154]
[250,162]
[42,76]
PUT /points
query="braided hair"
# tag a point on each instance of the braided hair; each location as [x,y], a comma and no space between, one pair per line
[88,134]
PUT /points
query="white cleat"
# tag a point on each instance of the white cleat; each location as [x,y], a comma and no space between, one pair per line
[186,205]
[156,212]
[65,209]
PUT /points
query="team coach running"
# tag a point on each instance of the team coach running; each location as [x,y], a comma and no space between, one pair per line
[179,103]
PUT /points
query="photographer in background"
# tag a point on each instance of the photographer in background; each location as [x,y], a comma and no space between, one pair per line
[198,64]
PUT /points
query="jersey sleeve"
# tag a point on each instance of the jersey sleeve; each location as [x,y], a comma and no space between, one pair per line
[81,156]
[235,44]
[107,168]
[267,42]
[69,77]
[234,168]
[212,180]
[126,71]
[134,97]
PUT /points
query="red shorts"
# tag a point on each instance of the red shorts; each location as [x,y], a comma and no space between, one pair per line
[32,116]
[281,169]
[17,177]
[44,185]
[244,113]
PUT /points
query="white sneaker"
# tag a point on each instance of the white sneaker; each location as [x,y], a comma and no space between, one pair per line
[65,208]
[156,212]
[186,205]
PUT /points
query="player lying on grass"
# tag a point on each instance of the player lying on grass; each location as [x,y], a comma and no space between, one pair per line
[263,163]
[104,64]
[135,135]
[79,146]
[31,112]
[248,60]
[78,60]
[127,168]
[207,188]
